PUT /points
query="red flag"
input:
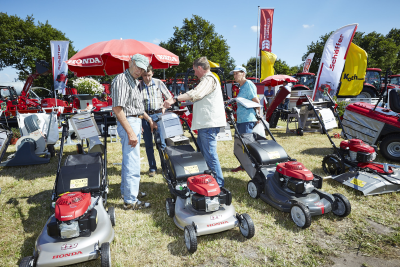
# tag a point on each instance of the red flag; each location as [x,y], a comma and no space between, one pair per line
[266,19]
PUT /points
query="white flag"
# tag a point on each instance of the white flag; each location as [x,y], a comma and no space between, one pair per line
[59,54]
[307,63]
[332,61]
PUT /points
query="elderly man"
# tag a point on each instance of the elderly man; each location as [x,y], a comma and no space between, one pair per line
[153,90]
[208,113]
[129,110]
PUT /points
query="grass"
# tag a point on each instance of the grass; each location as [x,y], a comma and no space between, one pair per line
[149,237]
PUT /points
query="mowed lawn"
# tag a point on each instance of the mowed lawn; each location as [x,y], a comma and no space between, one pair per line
[370,236]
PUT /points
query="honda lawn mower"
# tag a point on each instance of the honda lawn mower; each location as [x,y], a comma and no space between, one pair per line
[357,157]
[80,228]
[281,181]
[198,205]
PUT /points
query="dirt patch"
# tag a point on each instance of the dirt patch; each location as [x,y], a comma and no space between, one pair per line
[379,228]
[351,259]
[249,253]
[220,261]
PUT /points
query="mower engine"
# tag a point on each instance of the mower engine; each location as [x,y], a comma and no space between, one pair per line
[205,193]
[357,151]
[295,177]
[72,216]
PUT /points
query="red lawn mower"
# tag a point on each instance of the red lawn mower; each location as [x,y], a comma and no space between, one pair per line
[357,157]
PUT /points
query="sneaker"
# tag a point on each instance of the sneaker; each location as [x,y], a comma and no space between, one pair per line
[237,169]
[141,205]
[152,174]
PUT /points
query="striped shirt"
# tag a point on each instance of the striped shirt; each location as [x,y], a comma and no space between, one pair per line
[205,87]
[153,94]
[125,93]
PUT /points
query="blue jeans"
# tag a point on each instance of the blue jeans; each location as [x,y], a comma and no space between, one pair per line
[130,172]
[207,141]
[285,105]
[148,141]
[246,127]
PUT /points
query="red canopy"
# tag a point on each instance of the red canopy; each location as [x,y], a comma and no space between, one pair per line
[113,57]
[275,80]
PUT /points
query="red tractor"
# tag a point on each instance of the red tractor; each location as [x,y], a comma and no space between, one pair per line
[305,81]
[373,84]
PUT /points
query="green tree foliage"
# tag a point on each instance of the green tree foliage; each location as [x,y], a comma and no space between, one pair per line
[281,67]
[196,38]
[251,67]
[22,43]
[394,34]
[383,51]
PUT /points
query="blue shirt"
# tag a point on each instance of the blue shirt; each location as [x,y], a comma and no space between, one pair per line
[248,91]
[269,94]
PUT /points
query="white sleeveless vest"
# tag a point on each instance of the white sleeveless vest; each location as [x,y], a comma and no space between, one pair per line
[209,112]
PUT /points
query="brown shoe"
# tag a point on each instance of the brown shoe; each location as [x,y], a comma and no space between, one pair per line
[152,174]
[238,169]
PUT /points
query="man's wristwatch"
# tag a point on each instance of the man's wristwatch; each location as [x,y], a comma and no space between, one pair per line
[176,98]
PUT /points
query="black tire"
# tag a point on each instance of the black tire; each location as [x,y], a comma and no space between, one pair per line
[79,149]
[246,226]
[27,262]
[390,147]
[342,205]
[300,215]
[367,93]
[254,190]
[111,214]
[170,207]
[105,255]
[300,132]
[190,238]
[332,164]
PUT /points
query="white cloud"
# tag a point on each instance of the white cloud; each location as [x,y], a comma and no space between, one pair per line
[156,41]
[307,26]
[234,26]
[255,28]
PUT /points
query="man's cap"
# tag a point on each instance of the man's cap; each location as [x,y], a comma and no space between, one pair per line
[238,68]
[141,61]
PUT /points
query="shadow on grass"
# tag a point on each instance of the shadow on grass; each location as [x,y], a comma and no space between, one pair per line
[317,151]
[35,221]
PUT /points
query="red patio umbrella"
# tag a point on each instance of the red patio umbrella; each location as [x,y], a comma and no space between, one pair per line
[112,57]
[275,80]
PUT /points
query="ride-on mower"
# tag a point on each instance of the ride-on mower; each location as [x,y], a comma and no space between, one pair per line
[198,205]
[80,228]
[281,181]
[357,157]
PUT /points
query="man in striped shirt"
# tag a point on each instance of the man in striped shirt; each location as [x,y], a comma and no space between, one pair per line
[153,91]
[129,110]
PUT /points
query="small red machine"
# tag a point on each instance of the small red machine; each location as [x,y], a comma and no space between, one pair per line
[72,205]
[204,184]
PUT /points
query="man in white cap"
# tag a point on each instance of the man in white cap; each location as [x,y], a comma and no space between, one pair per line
[208,113]
[129,110]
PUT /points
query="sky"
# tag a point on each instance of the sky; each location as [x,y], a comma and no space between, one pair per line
[295,25]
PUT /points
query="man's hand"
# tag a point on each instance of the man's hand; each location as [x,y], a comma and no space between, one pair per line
[133,140]
[163,110]
[153,125]
[169,102]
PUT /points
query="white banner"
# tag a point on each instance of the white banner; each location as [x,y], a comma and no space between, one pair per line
[332,61]
[59,54]
[307,63]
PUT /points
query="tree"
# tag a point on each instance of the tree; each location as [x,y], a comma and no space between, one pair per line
[251,67]
[197,38]
[394,34]
[281,67]
[22,43]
